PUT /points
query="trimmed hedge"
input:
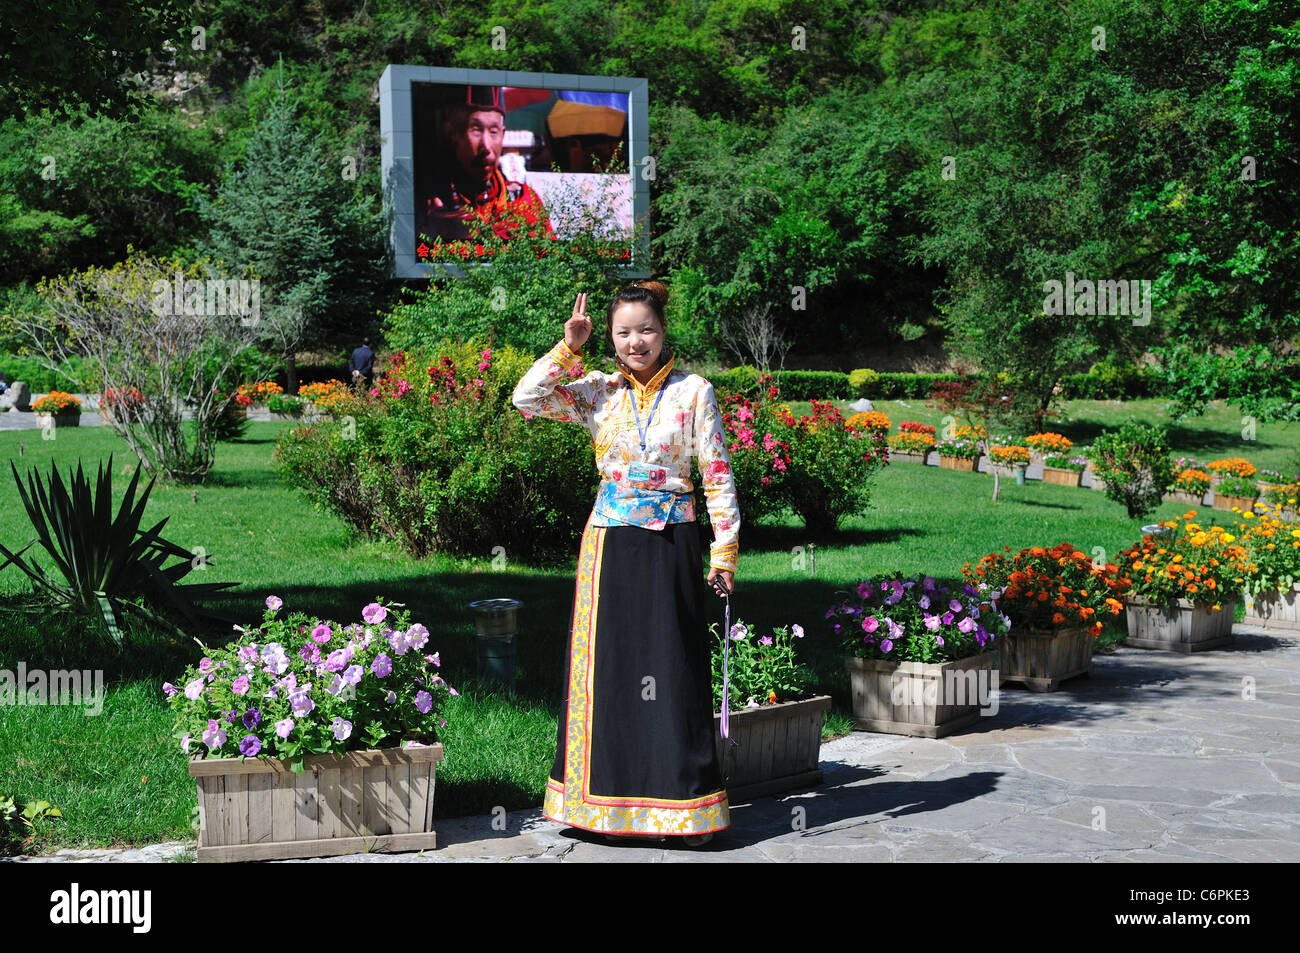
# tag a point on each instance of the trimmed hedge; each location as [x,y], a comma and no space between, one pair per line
[891,385]
[39,378]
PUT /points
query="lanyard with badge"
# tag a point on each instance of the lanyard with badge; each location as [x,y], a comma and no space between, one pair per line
[638,471]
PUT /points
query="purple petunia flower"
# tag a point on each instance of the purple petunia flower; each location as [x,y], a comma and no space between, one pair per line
[248,653]
[374,613]
[947,618]
[738,632]
[250,746]
[870,624]
[310,653]
[321,634]
[342,729]
[214,737]
[274,658]
[205,666]
[954,606]
[434,659]
[417,636]
[928,582]
[966,624]
[886,645]
[274,602]
[338,660]
[765,640]
[397,641]
[923,602]
[931,622]
[352,674]
[423,701]
[169,689]
[382,666]
[301,703]
[939,639]
[283,727]
[391,698]
[797,631]
[240,685]
[252,718]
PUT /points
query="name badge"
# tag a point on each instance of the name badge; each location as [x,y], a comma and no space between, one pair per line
[644,474]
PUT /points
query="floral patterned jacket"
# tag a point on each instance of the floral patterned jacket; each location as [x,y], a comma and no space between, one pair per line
[687,423]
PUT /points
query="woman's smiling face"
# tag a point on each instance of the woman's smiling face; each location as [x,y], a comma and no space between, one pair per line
[638,336]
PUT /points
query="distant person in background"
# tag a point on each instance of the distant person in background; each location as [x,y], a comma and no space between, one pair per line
[4,386]
[362,365]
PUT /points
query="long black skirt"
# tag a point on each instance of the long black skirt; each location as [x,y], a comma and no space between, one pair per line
[635,748]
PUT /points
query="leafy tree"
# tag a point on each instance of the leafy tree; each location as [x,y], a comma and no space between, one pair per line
[290,216]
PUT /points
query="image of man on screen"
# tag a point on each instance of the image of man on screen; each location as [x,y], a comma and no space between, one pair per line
[471,184]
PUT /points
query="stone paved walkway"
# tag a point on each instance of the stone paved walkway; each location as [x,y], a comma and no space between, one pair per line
[1156,757]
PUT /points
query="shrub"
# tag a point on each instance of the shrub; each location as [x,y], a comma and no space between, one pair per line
[817,465]
[1237,487]
[1008,455]
[77,373]
[436,458]
[1134,463]
[864,381]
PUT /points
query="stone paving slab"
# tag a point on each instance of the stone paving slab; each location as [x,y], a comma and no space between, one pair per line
[1157,758]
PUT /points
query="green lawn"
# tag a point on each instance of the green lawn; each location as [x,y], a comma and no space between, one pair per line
[120,778]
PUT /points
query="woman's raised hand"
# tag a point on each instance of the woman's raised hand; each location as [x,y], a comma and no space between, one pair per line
[578,328]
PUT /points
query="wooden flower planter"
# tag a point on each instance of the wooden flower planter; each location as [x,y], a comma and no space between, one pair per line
[1181,627]
[1246,503]
[921,699]
[1062,477]
[776,748]
[58,420]
[1276,610]
[362,801]
[966,464]
[1041,660]
[898,456]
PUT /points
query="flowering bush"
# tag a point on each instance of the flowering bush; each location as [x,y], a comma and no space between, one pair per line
[911,426]
[1047,589]
[760,453]
[1272,550]
[437,458]
[1206,567]
[908,442]
[972,433]
[831,466]
[816,464]
[869,420]
[326,396]
[122,398]
[297,685]
[1049,443]
[915,620]
[1230,467]
[57,402]
[1008,455]
[1191,481]
[284,404]
[1077,464]
[1134,464]
[761,670]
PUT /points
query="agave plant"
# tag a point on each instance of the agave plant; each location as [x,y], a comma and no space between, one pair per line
[106,561]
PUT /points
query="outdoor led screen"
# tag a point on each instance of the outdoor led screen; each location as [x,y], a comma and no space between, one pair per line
[509,151]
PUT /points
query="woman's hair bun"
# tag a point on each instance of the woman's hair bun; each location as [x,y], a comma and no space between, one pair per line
[656,288]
